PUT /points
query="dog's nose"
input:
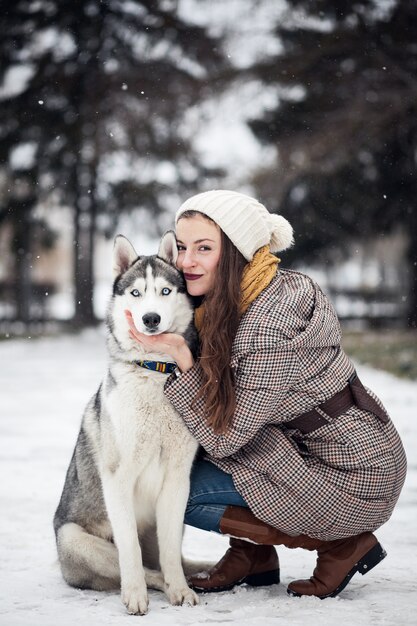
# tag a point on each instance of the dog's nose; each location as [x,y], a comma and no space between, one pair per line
[151,320]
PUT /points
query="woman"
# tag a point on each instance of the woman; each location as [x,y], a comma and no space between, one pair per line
[296,451]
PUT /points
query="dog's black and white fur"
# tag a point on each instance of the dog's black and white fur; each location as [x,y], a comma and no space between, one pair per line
[125,493]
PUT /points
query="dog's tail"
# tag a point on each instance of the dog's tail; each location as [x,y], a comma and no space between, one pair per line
[154,579]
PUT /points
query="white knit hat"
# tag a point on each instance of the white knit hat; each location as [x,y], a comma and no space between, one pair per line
[246,222]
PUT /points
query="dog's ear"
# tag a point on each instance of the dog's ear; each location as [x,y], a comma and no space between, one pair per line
[124,254]
[168,248]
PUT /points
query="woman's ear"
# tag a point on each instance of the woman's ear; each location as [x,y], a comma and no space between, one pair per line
[168,250]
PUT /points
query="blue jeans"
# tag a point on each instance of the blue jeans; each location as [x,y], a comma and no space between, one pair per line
[211,491]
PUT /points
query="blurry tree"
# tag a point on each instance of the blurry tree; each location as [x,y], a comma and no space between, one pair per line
[346,126]
[87,84]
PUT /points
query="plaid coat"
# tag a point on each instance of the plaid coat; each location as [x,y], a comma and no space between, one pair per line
[340,480]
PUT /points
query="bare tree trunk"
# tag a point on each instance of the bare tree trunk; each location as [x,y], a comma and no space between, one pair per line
[23,269]
[84,230]
[21,209]
[85,210]
[84,234]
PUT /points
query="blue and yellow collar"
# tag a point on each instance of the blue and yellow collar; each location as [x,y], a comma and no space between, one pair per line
[158,366]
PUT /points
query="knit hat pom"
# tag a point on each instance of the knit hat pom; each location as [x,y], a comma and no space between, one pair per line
[281,233]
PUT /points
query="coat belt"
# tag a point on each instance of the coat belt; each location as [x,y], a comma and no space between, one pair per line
[354,394]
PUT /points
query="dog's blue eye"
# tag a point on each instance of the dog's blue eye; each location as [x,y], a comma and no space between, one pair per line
[165,291]
[135,293]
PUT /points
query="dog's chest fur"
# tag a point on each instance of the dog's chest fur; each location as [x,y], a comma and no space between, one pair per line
[141,434]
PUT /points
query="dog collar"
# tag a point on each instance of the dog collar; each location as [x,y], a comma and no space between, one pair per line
[158,366]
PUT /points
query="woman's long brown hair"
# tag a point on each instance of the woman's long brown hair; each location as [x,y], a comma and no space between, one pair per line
[219,326]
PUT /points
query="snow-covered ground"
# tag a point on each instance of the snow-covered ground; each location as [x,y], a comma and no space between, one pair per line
[44,385]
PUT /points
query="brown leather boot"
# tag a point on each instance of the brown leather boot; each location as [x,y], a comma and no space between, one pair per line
[337,562]
[239,521]
[244,562]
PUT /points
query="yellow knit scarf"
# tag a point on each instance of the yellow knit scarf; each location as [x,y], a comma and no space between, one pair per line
[255,277]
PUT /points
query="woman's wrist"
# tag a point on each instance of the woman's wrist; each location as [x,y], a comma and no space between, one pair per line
[184,358]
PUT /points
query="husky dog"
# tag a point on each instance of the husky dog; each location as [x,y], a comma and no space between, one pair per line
[126,489]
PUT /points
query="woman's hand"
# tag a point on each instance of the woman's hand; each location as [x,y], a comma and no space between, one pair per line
[167,343]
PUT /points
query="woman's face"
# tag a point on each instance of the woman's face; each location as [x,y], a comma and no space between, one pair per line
[199,248]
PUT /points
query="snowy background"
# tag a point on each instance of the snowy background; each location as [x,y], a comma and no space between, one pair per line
[44,386]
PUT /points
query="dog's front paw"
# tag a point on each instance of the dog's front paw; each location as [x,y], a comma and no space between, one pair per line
[181,595]
[135,598]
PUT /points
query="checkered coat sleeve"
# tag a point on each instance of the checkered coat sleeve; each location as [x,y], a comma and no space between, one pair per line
[338,481]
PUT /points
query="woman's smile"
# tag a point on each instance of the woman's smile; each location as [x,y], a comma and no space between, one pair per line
[192,276]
